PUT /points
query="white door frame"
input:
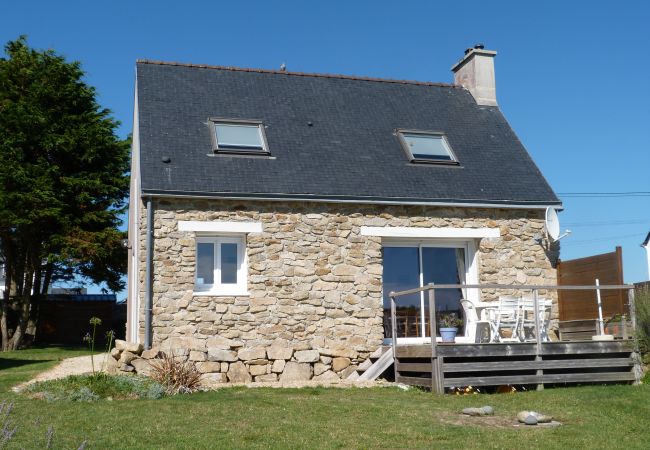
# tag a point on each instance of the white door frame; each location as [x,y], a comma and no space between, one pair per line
[471,277]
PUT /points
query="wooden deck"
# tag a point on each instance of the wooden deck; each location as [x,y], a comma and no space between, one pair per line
[515,364]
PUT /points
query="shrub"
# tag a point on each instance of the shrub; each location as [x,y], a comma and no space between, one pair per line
[90,388]
[642,307]
[178,376]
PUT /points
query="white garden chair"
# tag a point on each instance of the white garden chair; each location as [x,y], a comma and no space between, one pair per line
[527,327]
[506,316]
[474,321]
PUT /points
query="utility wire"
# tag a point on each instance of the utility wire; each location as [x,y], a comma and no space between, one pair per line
[608,223]
[604,194]
[603,239]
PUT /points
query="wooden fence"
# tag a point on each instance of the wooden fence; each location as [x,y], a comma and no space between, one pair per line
[582,305]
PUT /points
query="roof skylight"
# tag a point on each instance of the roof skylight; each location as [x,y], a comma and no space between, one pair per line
[238,137]
[422,146]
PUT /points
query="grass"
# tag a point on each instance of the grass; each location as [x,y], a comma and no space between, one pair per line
[593,417]
[90,388]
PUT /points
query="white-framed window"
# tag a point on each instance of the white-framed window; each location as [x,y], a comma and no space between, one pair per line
[221,266]
[411,263]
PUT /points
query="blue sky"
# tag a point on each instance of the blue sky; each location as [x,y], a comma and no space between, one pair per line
[572,77]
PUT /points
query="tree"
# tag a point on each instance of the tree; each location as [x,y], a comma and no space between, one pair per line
[63,183]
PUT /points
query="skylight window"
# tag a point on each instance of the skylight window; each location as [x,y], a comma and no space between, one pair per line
[427,147]
[243,137]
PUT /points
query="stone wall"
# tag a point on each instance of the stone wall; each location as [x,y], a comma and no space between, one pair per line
[314,281]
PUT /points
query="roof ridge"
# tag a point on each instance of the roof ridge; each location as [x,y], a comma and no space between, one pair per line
[299,74]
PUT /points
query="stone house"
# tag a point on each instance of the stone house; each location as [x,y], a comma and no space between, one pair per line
[273,211]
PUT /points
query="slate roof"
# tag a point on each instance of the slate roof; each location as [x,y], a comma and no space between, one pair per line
[351,153]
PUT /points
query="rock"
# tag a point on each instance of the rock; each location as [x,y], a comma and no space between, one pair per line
[279,352]
[257,370]
[539,418]
[112,366]
[294,371]
[342,352]
[211,379]
[307,356]
[257,362]
[266,378]
[278,366]
[142,366]
[150,354]
[320,368]
[530,420]
[126,368]
[248,353]
[120,344]
[488,410]
[339,364]
[219,342]
[126,357]
[353,376]
[327,376]
[208,367]
[217,354]
[345,373]
[473,411]
[197,356]
[135,348]
[115,353]
[237,373]
[326,359]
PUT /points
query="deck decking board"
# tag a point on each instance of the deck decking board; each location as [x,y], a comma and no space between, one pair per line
[498,364]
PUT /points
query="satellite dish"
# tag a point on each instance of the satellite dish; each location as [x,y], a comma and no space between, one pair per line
[552,224]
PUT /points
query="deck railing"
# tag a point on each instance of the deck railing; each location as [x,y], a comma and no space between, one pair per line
[436,366]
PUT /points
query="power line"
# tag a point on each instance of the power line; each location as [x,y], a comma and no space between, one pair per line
[604,194]
[608,223]
[603,239]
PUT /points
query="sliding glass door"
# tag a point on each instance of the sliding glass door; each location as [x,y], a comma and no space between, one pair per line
[407,266]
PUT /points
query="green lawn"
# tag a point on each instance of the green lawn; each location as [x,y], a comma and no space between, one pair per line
[594,417]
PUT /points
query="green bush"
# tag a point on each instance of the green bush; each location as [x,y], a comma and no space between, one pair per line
[90,388]
[642,306]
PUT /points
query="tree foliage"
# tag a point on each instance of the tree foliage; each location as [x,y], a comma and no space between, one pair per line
[63,182]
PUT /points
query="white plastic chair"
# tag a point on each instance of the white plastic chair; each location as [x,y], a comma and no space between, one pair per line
[473,322]
[505,316]
[527,327]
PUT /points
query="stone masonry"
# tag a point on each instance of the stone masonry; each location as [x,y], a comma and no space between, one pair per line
[315,303]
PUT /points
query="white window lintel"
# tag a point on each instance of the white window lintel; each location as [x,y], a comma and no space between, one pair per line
[423,233]
[219,226]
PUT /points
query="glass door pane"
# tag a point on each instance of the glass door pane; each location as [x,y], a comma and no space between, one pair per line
[401,272]
[442,265]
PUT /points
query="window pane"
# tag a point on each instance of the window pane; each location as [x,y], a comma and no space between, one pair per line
[445,266]
[238,136]
[204,263]
[427,147]
[402,272]
[229,264]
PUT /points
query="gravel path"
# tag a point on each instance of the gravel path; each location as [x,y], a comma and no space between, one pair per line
[70,366]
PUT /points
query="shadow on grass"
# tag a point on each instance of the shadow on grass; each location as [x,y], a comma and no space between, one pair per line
[10,363]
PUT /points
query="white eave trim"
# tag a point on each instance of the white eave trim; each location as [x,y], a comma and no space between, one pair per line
[423,233]
[219,227]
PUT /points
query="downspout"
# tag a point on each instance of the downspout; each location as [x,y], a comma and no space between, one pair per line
[148,277]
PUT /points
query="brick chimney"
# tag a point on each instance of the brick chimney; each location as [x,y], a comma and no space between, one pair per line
[475,72]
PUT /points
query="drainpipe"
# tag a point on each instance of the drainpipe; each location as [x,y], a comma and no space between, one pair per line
[148,292]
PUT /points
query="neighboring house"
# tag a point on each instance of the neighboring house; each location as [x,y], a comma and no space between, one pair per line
[283,207]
